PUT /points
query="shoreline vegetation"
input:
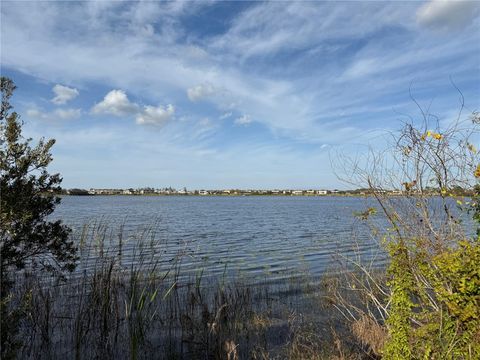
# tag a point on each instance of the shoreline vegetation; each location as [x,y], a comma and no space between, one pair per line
[123,301]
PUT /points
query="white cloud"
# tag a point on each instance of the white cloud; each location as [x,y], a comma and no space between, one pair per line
[152,115]
[161,64]
[34,113]
[66,114]
[243,120]
[201,91]
[205,122]
[271,27]
[301,95]
[63,94]
[225,115]
[58,114]
[362,67]
[447,14]
[116,103]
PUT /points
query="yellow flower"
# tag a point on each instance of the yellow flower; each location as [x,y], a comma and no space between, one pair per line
[429,133]
[472,148]
[437,136]
[476,173]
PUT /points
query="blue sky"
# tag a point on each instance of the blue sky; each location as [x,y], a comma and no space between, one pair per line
[230,94]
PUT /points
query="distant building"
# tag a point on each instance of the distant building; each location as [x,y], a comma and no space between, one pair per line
[104,191]
[322,192]
[297,192]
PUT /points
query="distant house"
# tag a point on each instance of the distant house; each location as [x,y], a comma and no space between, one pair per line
[127,192]
[203,192]
[297,192]
[322,192]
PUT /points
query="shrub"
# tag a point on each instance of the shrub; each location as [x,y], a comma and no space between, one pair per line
[27,197]
[429,300]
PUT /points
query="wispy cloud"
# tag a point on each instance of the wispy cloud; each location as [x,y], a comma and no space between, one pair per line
[225,115]
[306,73]
[243,120]
[58,114]
[445,14]
[201,91]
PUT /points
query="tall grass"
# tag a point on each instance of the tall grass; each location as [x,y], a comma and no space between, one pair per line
[130,298]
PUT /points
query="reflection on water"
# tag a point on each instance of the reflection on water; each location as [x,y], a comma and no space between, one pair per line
[245,236]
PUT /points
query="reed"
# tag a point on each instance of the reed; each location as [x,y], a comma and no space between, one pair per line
[131,298]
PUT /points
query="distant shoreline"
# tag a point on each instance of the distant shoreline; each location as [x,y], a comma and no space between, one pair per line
[233,195]
[360,192]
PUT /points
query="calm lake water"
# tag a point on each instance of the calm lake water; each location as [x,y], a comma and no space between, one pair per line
[247,236]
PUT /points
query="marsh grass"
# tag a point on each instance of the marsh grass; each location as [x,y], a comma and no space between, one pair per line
[130,298]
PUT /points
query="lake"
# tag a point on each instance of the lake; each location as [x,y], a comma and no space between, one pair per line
[249,236]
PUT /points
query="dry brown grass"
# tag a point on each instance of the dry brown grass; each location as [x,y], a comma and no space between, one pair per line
[370,333]
[261,321]
[230,349]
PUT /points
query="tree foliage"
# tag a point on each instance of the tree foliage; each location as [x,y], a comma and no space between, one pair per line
[28,198]
[28,238]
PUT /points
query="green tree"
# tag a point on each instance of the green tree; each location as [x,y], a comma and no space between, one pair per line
[27,197]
